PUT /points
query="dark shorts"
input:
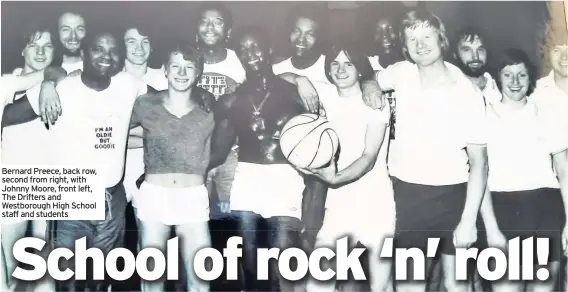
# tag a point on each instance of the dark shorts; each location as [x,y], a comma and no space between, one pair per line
[102,234]
[537,213]
[424,212]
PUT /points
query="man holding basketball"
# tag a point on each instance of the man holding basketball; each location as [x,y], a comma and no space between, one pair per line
[266,188]
[440,121]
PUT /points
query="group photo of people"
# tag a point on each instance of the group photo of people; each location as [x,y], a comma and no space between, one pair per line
[449,116]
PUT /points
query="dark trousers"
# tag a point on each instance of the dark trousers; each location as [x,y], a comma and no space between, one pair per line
[102,234]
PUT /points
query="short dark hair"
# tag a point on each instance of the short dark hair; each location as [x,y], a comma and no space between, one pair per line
[514,57]
[91,38]
[468,34]
[309,11]
[190,52]
[255,31]
[140,27]
[421,16]
[31,31]
[219,7]
[354,53]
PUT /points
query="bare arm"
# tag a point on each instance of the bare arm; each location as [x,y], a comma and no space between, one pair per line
[376,131]
[477,182]
[224,134]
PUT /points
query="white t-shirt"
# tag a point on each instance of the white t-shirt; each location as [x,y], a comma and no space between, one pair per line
[519,147]
[374,60]
[433,125]
[315,73]
[71,67]
[550,97]
[349,117]
[25,143]
[94,127]
[229,73]
[156,78]
[491,91]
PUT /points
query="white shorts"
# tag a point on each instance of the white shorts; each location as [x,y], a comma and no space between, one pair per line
[134,168]
[363,211]
[267,189]
[172,206]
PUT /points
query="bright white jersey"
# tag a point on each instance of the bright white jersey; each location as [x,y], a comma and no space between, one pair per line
[156,78]
[71,67]
[26,143]
[491,91]
[547,94]
[374,60]
[433,125]
[94,127]
[520,145]
[218,77]
[349,117]
[315,73]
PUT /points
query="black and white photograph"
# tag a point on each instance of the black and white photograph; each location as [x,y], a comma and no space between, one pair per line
[290,125]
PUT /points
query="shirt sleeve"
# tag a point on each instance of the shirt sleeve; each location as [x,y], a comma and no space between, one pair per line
[474,115]
[387,77]
[379,116]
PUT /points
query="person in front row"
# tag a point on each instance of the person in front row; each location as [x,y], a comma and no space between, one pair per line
[266,189]
[360,201]
[527,197]
[177,141]
[441,124]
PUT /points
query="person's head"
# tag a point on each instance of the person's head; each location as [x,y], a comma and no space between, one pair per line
[306,26]
[71,30]
[346,65]
[215,24]
[470,51]
[104,55]
[558,55]
[39,48]
[424,37]
[255,50]
[183,65]
[379,23]
[137,43]
[516,75]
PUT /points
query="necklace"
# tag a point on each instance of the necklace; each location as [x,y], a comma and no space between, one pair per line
[257,123]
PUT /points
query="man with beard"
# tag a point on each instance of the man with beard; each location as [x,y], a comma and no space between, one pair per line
[71,30]
[266,189]
[471,57]
[100,97]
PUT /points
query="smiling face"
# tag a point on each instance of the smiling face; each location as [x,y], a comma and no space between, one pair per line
[559,60]
[38,53]
[515,81]
[137,47]
[303,36]
[253,54]
[71,33]
[211,30]
[343,72]
[472,56]
[103,56]
[385,36]
[181,73]
[423,44]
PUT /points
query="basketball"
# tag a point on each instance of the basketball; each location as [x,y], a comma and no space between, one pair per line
[308,141]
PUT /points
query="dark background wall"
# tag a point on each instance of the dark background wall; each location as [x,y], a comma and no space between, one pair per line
[511,24]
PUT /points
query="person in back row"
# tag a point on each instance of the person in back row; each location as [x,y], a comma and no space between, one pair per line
[472,56]
[266,189]
[528,170]
[177,141]
[441,124]
[360,201]
[71,30]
